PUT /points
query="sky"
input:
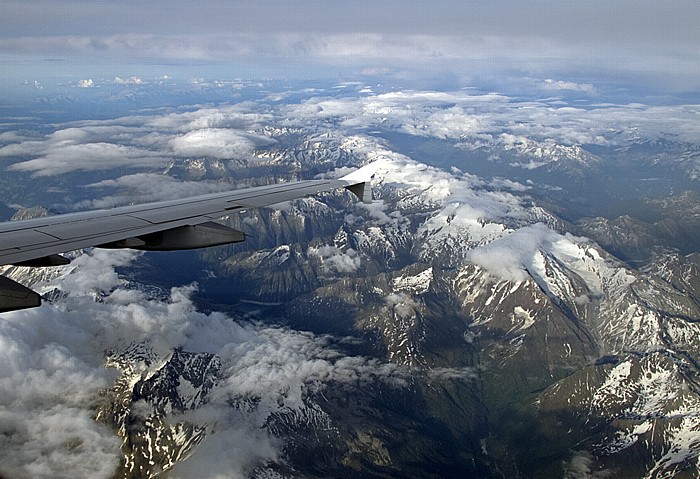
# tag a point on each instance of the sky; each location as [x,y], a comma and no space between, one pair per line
[649,42]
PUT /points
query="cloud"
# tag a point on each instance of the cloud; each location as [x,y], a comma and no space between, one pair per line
[511,256]
[334,260]
[377,211]
[140,142]
[567,85]
[504,183]
[89,148]
[402,305]
[134,80]
[478,120]
[447,374]
[86,83]
[217,143]
[234,451]
[239,131]
[241,116]
[88,157]
[581,466]
[145,188]
[59,441]
[466,37]
[53,374]
[524,253]
[449,123]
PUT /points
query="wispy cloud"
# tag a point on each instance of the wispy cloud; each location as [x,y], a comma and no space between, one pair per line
[550,84]
[140,142]
[89,157]
[334,260]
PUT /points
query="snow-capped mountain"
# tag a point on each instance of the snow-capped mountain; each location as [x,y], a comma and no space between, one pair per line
[446,274]
[457,326]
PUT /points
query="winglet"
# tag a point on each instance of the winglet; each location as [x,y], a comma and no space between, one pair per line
[360,181]
[362,174]
[362,190]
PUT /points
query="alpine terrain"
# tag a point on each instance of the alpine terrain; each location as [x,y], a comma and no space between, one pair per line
[500,310]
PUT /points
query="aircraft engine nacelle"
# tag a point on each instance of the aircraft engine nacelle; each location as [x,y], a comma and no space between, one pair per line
[183,237]
[14,296]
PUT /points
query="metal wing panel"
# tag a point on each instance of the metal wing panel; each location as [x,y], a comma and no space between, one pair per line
[270,195]
[92,226]
[24,238]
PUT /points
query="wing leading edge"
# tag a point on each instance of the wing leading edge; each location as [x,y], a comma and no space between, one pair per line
[165,225]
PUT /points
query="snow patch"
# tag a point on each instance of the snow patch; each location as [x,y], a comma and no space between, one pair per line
[417,284]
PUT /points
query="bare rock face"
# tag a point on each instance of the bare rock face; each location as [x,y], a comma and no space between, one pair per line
[29,213]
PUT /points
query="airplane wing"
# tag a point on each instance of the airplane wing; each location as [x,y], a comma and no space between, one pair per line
[160,226]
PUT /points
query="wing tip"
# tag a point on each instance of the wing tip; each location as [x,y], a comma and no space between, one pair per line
[359,181]
[362,190]
[363,174]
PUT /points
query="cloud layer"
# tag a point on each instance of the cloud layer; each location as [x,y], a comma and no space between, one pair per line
[207,142]
[250,131]
[53,374]
[466,37]
[146,142]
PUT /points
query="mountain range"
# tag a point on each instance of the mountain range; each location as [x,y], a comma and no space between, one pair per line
[464,324]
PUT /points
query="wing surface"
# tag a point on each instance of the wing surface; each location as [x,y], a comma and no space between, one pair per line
[22,241]
[160,226]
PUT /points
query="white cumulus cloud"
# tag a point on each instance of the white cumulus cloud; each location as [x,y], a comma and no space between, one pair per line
[335,260]
[217,143]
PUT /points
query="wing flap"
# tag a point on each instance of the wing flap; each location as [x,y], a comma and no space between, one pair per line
[16,240]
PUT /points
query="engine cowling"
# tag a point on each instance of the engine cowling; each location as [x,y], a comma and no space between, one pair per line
[184,237]
[14,296]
